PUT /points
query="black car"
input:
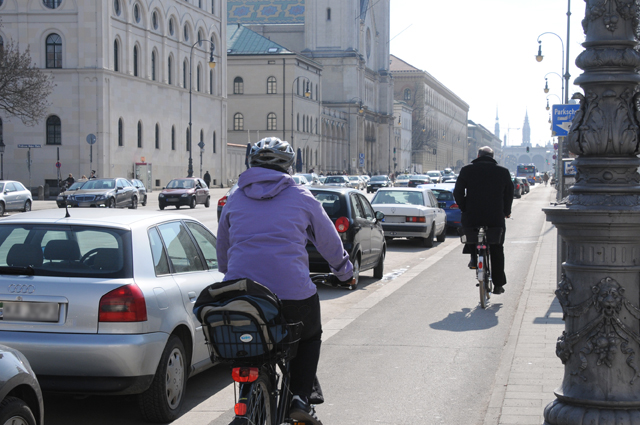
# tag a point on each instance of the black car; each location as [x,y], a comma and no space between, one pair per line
[189,191]
[359,227]
[526,186]
[417,180]
[142,191]
[518,187]
[376,182]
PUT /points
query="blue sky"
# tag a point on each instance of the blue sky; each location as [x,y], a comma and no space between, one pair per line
[484,51]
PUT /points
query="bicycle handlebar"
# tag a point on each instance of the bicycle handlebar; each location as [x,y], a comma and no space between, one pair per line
[329,280]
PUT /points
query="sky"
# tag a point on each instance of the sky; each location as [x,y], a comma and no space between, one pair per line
[484,52]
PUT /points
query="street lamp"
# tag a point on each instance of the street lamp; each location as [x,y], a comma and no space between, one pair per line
[546,84]
[212,64]
[2,146]
[547,108]
[360,104]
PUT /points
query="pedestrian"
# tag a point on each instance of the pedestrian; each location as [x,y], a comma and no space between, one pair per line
[70,180]
[545,178]
[207,178]
[93,175]
[484,194]
[83,177]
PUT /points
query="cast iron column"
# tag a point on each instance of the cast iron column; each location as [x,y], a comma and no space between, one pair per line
[600,223]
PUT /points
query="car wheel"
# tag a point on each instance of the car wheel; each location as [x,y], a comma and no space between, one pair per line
[15,411]
[428,241]
[161,207]
[442,236]
[388,239]
[111,203]
[2,210]
[207,203]
[27,206]
[161,402]
[192,203]
[134,203]
[144,203]
[356,273]
[378,271]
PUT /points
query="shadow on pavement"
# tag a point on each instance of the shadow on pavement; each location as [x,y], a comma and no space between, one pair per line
[469,319]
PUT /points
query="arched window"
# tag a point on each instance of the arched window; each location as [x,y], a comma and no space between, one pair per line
[153,65]
[198,78]
[272,85]
[154,20]
[186,32]
[407,94]
[185,66]
[157,136]
[139,134]
[238,85]
[135,61]
[120,132]
[116,7]
[116,59]
[211,81]
[298,122]
[136,13]
[173,137]
[200,37]
[54,131]
[54,51]
[52,4]
[169,79]
[328,14]
[238,122]
[272,121]
[171,27]
[214,142]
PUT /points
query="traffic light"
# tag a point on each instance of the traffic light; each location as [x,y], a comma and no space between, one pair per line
[527,149]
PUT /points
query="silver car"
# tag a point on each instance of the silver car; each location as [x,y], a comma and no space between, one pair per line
[102,303]
[14,197]
[337,181]
[110,193]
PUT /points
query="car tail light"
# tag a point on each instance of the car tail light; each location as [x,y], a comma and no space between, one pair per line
[222,201]
[416,219]
[123,304]
[245,374]
[240,409]
[454,207]
[342,224]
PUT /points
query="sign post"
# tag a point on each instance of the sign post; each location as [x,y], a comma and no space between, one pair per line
[562,116]
[91,139]
[201,146]
[29,161]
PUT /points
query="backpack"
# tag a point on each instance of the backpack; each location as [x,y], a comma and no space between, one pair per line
[241,320]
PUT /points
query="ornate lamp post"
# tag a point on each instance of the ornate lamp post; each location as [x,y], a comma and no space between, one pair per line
[548,107]
[2,146]
[360,104]
[600,222]
[212,64]
[546,85]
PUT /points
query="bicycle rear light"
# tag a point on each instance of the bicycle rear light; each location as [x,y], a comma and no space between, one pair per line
[245,374]
[342,224]
[480,265]
[416,219]
[240,409]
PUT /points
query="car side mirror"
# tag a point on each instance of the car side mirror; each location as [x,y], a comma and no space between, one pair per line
[379,215]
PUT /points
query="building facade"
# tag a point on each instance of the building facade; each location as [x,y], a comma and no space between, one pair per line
[123,72]
[403,128]
[480,136]
[439,130]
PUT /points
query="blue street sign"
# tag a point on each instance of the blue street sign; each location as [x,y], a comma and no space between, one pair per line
[361,159]
[561,119]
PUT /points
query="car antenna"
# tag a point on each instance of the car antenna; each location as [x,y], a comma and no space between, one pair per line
[66,207]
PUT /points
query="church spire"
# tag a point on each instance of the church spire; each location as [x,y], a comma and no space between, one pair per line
[497,128]
[526,131]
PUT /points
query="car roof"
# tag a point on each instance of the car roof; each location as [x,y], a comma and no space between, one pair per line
[404,189]
[333,189]
[103,217]
[443,186]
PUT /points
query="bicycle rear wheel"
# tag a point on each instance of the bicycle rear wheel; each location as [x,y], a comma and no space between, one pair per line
[261,402]
[483,280]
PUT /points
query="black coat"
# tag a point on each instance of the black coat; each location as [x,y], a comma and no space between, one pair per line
[484,193]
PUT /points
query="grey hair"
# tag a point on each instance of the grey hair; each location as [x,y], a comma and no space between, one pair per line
[485,151]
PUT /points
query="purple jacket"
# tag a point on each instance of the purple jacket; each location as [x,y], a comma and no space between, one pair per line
[264,229]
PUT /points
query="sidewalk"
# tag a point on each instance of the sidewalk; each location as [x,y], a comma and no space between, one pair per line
[529,369]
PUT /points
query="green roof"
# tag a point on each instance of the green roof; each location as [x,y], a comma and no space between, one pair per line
[243,41]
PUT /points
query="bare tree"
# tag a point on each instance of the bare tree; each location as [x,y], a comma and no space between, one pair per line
[23,87]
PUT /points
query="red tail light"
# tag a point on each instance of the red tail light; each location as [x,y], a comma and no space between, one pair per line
[454,207]
[416,219]
[240,409]
[222,201]
[123,304]
[245,374]
[480,265]
[342,224]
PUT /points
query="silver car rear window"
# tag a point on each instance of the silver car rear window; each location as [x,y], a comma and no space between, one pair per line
[62,250]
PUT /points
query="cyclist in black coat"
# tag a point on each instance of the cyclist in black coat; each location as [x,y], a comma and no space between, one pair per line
[484,193]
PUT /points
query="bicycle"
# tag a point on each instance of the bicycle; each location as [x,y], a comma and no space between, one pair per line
[482,237]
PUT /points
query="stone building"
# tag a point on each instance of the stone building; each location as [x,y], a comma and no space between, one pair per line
[479,136]
[349,39]
[439,131]
[123,70]
[402,147]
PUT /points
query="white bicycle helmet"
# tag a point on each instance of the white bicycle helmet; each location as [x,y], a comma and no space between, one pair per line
[272,151]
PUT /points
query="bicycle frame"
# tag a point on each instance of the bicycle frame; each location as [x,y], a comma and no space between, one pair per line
[483,271]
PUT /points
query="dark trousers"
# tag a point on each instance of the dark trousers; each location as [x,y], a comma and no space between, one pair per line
[497,260]
[303,367]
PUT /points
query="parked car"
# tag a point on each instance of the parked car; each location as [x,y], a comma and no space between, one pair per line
[189,191]
[321,179]
[336,181]
[449,178]
[359,227]
[312,178]
[61,199]
[376,182]
[110,193]
[444,195]
[356,182]
[418,179]
[14,197]
[142,191]
[518,187]
[411,213]
[223,201]
[20,395]
[401,180]
[301,179]
[435,175]
[105,301]
[526,186]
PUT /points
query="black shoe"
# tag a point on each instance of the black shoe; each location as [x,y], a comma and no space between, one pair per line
[497,290]
[303,412]
[473,264]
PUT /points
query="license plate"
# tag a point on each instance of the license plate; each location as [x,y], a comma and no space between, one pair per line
[172,200]
[394,219]
[24,311]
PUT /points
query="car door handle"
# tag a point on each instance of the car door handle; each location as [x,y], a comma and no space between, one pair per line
[192,296]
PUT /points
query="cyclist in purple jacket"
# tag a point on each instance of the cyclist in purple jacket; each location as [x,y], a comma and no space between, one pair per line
[262,235]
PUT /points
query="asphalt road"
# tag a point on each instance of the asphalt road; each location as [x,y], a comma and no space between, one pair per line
[414,347]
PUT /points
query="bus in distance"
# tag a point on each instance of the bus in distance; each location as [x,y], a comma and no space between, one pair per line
[527,171]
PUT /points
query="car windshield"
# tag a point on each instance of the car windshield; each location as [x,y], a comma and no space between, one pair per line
[76,185]
[433,174]
[378,178]
[298,179]
[338,179]
[330,202]
[404,177]
[309,177]
[398,197]
[63,250]
[354,178]
[99,184]
[181,184]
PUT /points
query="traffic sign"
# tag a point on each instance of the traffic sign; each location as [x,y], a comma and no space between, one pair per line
[562,117]
[29,146]
[58,165]
[361,159]
[201,145]
[91,139]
